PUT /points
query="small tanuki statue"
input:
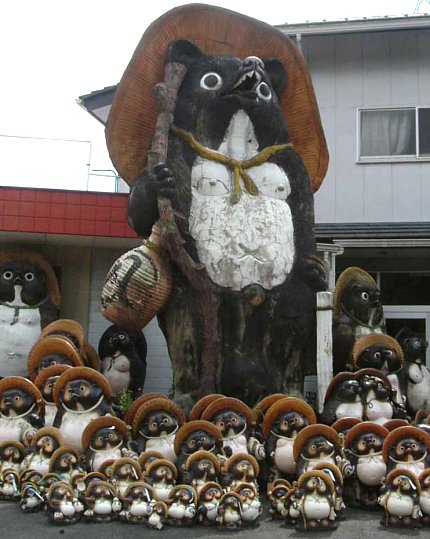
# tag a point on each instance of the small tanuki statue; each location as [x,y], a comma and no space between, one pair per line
[11,455]
[39,453]
[45,382]
[316,444]
[235,194]
[343,399]
[136,503]
[102,503]
[182,506]
[62,507]
[208,503]
[401,500]
[407,448]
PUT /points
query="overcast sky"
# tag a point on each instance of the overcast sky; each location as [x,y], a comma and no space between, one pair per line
[54,51]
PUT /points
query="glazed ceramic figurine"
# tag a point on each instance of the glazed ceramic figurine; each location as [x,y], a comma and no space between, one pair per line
[336,476]
[230,511]
[61,505]
[251,505]
[47,480]
[81,394]
[314,500]
[136,503]
[234,418]
[201,467]
[415,376]
[65,462]
[315,444]
[146,458]
[363,448]
[102,503]
[240,468]
[81,481]
[43,445]
[31,500]
[201,405]
[277,497]
[182,506]
[342,399]
[281,424]
[161,475]
[21,409]
[52,351]
[29,300]
[195,436]
[401,500]
[343,426]
[45,382]
[208,503]
[158,518]
[155,425]
[407,448]
[131,412]
[11,455]
[124,472]
[378,396]
[424,479]
[103,439]
[9,484]
[30,476]
[357,311]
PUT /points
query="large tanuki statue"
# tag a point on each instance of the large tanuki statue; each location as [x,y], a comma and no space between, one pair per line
[231,196]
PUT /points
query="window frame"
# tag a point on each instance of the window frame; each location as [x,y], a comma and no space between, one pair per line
[414,158]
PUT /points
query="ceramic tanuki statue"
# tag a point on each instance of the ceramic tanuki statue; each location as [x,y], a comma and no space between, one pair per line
[239,319]
[407,448]
[45,382]
[62,505]
[316,444]
[29,300]
[44,443]
[81,394]
[401,500]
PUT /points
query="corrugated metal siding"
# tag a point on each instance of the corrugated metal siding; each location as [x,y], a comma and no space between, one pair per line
[159,374]
[369,70]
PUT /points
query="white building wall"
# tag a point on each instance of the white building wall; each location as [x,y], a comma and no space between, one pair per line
[375,69]
[158,373]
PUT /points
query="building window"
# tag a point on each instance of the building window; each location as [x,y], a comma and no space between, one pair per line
[394,134]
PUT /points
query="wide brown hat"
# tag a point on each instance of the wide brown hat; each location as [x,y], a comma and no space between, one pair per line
[207,486]
[314,430]
[97,483]
[189,488]
[316,473]
[130,413]
[227,403]
[192,426]
[264,404]
[283,405]
[52,344]
[402,471]
[58,453]
[55,371]
[76,373]
[202,404]
[36,259]
[332,470]
[345,423]
[48,431]
[215,31]
[140,484]
[148,456]
[162,462]
[238,457]
[90,356]
[155,405]
[404,432]
[18,382]
[372,340]
[200,455]
[395,424]
[350,274]
[362,428]
[99,423]
[338,379]
[57,485]
[14,443]
[127,460]
[67,325]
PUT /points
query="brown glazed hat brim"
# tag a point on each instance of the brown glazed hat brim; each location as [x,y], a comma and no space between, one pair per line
[215,31]
[372,340]
[51,344]
[162,462]
[48,431]
[192,426]
[76,373]
[423,475]
[91,356]
[402,471]
[242,456]
[202,404]
[264,404]
[144,457]
[316,473]
[227,403]
[97,483]
[139,484]
[402,432]
[8,443]
[314,430]
[18,382]
[155,405]
[58,484]
[127,460]
[59,452]
[130,413]
[395,424]
[18,255]
[187,487]
[283,405]
[207,486]
[338,379]
[200,455]
[333,468]
[99,423]
[344,279]
[361,428]
[345,423]
[68,325]
[50,372]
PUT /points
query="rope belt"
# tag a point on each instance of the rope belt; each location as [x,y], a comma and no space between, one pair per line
[238,167]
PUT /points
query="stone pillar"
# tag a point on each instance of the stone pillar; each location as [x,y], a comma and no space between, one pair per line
[324,344]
